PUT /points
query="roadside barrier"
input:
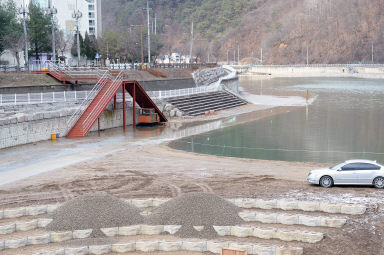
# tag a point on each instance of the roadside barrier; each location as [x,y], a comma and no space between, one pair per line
[164,245]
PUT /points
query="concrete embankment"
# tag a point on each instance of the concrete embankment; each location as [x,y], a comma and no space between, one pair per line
[153,85]
[38,126]
[374,71]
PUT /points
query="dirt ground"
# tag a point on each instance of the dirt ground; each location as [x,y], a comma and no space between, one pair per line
[158,171]
[25,79]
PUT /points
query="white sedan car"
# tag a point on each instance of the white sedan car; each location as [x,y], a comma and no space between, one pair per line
[351,172]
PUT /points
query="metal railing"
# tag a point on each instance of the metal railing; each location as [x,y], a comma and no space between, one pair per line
[106,77]
[111,90]
[42,98]
[75,96]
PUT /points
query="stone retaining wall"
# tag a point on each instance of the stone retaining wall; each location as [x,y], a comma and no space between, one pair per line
[205,77]
[168,246]
[53,237]
[237,231]
[246,203]
[12,227]
[37,127]
[293,219]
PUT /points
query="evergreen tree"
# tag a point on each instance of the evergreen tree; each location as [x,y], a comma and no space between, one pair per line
[8,21]
[74,46]
[39,26]
[90,46]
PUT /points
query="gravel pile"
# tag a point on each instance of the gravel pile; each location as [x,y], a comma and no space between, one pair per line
[94,212]
[196,209]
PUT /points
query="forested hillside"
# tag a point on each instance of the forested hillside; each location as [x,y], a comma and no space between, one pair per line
[333,31]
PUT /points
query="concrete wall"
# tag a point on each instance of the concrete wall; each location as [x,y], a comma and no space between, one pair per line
[147,85]
[168,84]
[39,127]
[326,71]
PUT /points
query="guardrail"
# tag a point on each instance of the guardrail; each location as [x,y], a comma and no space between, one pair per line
[74,96]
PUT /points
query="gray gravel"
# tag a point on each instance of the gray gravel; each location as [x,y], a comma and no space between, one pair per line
[196,209]
[94,212]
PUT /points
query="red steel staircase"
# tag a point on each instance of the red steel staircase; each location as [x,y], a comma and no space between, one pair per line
[98,99]
[83,119]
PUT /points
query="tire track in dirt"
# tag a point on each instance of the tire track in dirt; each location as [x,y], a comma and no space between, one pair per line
[175,190]
[204,187]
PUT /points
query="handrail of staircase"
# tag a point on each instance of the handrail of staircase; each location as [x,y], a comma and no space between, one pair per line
[88,119]
[105,77]
[55,69]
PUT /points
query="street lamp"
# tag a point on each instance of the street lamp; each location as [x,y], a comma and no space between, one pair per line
[24,11]
[149,35]
[77,15]
[52,11]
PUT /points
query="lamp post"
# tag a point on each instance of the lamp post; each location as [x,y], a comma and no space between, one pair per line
[52,11]
[24,11]
[77,15]
[149,35]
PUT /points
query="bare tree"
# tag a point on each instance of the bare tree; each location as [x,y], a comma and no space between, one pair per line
[63,42]
[14,42]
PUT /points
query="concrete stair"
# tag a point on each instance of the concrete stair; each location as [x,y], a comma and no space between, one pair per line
[199,104]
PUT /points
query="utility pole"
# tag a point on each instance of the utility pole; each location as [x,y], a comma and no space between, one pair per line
[234,56]
[307,54]
[155,24]
[77,14]
[52,11]
[24,11]
[141,42]
[149,35]
[191,47]
[372,53]
[261,56]
[238,54]
[227,57]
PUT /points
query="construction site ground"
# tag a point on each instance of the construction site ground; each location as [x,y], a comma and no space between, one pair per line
[145,171]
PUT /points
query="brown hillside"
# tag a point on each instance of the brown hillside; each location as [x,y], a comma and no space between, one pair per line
[335,31]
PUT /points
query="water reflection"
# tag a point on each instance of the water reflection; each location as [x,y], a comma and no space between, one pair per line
[344,122]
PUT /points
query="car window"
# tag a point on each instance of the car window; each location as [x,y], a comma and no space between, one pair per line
[368,166]
[351,167]
[337,166]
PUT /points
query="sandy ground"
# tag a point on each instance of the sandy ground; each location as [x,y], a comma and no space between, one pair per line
[158,171]
[143,170]
[25,79]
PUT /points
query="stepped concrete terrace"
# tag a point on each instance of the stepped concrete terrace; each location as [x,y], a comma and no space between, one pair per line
[199,104]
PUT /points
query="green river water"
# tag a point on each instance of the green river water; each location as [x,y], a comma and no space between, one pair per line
[345,122]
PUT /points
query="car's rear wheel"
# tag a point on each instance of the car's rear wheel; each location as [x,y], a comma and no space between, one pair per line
[378,182]
[326,181]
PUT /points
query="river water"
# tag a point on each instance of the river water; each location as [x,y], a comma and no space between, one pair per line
[345,121]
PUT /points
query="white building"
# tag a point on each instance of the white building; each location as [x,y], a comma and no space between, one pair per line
[90,21]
